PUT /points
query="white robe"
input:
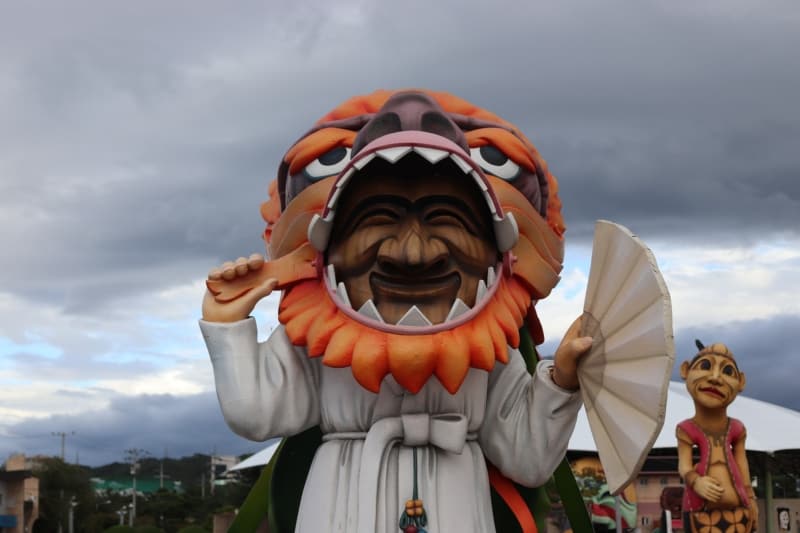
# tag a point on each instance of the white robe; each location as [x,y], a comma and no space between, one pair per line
[362,474]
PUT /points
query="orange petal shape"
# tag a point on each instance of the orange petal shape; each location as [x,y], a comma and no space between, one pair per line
[412,360]
[453,363]
[370,364]
[481,351]
[297,327]
[321,331]
[339,352]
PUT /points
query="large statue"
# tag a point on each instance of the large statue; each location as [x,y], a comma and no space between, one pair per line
[718,493]
[411,234]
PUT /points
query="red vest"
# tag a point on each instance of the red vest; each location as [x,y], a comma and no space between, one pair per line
[691,500]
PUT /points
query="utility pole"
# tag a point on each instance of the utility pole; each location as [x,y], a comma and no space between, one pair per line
[133,456]
[213,473]
[71,522]
[63,435]
[161,470]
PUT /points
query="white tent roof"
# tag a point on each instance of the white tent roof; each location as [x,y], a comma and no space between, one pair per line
[770,427]
[259,458]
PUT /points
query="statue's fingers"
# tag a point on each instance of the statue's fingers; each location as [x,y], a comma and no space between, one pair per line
[255,262]
[215,274]
[228,270]
[241,266]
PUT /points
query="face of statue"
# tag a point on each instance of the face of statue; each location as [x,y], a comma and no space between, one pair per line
[783,518]
[412,235]
[713,380]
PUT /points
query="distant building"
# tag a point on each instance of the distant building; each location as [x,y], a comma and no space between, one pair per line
[19,496]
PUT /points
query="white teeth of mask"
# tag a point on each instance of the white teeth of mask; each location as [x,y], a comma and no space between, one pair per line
[331,277]
[458,309]
[342,292]
[414,317]
[490,277]
[481,291]
[369,310]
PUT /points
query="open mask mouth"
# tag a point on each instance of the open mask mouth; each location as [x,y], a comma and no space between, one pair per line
[428,150]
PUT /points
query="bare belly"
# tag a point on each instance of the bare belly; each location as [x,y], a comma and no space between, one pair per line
[729,497]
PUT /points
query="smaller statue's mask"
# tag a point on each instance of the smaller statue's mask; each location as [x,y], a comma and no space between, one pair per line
[712,378]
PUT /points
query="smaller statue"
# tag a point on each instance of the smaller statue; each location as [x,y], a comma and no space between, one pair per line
[718,492]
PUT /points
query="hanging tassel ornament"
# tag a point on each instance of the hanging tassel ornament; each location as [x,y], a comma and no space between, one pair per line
[413,519]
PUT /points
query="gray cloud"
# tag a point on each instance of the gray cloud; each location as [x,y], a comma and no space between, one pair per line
[140,153]
[765,351]
[183,425]
[138,142]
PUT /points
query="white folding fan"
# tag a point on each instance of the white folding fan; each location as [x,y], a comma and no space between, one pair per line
[625,377]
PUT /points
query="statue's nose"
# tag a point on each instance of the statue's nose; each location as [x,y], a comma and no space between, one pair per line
[408,111]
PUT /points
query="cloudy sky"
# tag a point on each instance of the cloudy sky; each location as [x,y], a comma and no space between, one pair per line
[137,140]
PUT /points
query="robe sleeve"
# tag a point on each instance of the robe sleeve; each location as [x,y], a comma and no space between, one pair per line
[266,389]
[528,422]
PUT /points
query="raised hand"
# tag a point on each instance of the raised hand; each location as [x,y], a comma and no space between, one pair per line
[569,352]
[240,307]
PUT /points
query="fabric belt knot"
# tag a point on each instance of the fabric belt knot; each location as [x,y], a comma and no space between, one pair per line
[447,431]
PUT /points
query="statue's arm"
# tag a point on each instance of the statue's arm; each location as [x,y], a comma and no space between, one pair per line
[265,389]
[528,421]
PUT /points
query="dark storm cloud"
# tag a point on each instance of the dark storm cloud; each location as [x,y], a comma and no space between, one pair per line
[766,351]
[182,425]
[142,152]
[137,142]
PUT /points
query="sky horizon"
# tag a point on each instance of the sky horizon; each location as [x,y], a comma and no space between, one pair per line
[138,141]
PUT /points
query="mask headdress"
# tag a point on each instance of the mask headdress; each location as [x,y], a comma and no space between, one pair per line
[492,156]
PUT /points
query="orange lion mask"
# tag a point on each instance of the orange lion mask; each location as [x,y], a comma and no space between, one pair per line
[495,158]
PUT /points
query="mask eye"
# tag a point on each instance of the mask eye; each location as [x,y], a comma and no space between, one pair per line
[328,164]
[495,162]
[705,364]
[728,370]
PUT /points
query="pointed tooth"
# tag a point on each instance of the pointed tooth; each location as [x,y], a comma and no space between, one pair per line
[458,309]
[343,180]
[478,180]
[331,277]
[361,163]
[463,165]
[342,292]
[395,154]
[414,317]
[369,310]
[432,155]
[490,277]
[481,291]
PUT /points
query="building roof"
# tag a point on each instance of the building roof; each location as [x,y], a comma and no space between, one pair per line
[770,427]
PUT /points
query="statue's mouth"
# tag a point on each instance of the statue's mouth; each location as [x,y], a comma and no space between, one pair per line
[713,391]
[431,150]
[408,289]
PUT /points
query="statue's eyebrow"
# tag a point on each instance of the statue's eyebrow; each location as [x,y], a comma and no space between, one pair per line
[469,223]
[361,209]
